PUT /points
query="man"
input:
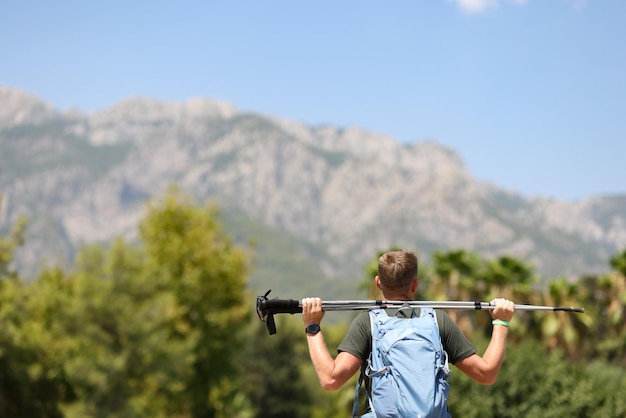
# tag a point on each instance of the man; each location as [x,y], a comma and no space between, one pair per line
[397,279]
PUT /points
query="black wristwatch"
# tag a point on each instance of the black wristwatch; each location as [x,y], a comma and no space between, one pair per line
[313,329]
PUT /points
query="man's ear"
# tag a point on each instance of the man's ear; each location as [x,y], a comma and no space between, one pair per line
[414,286]
[377,280]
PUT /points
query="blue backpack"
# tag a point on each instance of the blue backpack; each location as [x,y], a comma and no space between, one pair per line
[408,367]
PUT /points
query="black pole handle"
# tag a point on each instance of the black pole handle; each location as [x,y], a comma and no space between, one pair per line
[266,308]
[276,306]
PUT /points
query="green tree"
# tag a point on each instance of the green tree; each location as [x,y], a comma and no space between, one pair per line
[561,329]
[25,391]
[111,336]
[532,383]
[618,262]
[187,249]
[506,277]
[610,295]
[146,330]
[272,370]
[455,273]
[8,245]
[454,279]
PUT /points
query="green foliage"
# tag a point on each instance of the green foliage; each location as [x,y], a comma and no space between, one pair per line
[334,158]
[28,149]
[272,366]
[607,296]
[223,160]
[25,389]
[618,262]
[49,145]
[188,250]
[133,332]
[163,329]
[532,383]
[8,246]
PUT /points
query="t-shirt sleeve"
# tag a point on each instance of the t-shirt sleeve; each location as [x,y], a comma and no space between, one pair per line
[358,339]
[454,342]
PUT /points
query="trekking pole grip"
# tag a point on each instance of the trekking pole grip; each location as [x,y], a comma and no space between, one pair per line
[277,306]
[266,308]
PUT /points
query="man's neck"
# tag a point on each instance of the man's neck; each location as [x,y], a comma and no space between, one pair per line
[398,297]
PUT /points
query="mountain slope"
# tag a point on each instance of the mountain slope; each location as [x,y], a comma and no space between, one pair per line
[345,192]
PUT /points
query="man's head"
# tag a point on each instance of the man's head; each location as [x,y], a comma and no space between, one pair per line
[397,274]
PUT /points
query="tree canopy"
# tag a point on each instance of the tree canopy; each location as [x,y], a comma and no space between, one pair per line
[161,326]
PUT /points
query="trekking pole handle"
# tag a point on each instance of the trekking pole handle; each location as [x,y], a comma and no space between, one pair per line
[277,306]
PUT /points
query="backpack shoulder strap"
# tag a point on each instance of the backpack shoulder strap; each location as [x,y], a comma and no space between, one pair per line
[427,310]
[430,311]
[375,315]
[378,312]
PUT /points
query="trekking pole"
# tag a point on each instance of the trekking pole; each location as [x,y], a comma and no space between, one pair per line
[267,308]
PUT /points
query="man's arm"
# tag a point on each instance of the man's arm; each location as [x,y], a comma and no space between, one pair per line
[332,373]
[485,369]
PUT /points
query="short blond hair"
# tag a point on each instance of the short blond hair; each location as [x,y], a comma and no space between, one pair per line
[397,270]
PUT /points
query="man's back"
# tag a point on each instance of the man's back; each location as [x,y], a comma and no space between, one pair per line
[408,367]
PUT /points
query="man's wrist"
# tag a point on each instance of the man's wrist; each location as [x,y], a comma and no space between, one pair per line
[312,329]
[501,322]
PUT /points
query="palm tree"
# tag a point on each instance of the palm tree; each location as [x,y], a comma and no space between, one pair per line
[455,273]
[613,316]
[605,300]
[618,262]
[454,278]
[510,278]
[562,329]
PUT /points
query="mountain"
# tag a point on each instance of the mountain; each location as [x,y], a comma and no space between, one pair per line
[319,201]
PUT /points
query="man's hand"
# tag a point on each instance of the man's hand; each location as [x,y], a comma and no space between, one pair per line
[504,309]
[312,312]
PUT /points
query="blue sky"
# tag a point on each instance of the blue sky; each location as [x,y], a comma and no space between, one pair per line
[530,93]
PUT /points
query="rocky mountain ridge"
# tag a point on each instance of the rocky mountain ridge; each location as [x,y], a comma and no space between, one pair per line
[83,178]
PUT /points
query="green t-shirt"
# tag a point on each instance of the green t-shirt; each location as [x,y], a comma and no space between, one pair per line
[358,339]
